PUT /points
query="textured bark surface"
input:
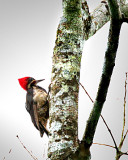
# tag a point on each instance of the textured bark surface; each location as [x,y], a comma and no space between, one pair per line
[77,25]
[65,77]
[109,63]
[101,15]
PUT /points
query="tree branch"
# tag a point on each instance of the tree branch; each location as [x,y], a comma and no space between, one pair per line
[123,136]
[86,93]
[110,132]
[33,157]
[122,141]
[86,18]
[102,118]
[105,145]
[124,10]
[109,63]
[114,10]
[85,10]
[100,16]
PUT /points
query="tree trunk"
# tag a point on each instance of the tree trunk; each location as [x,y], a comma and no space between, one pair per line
[73,29]
[65,87]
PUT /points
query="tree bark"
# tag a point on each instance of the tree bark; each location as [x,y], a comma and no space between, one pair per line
[77,25]
[109,63]
[65,87]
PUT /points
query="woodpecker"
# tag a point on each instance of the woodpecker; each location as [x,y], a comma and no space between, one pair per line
[36,103]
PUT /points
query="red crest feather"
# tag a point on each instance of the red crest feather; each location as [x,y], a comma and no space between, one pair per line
[23,82]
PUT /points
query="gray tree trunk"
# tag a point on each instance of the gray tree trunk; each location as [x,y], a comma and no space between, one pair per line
[76,25]
[65,87]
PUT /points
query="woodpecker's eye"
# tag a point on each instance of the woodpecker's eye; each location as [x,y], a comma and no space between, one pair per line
[33,82]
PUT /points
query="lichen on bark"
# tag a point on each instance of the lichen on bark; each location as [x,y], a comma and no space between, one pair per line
[65,77]
[63,141]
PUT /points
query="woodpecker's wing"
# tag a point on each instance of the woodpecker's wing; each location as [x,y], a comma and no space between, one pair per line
[38,107]
[40,126]
[41,108]
[36,117]
[29,105]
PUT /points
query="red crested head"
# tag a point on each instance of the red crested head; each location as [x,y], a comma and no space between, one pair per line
[27,82]
[24,82]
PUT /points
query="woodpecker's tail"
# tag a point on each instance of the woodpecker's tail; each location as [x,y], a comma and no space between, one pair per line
[43,129]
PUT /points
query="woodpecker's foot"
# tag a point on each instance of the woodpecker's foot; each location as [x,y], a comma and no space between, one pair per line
[49,134]
[49,88]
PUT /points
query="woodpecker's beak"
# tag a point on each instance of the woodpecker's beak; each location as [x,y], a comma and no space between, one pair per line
[37,81]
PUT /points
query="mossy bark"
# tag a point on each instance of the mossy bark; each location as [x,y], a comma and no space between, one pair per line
[65,77]
[63,141]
